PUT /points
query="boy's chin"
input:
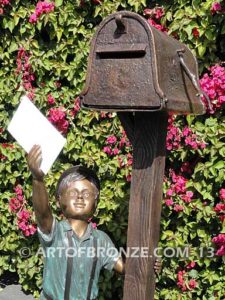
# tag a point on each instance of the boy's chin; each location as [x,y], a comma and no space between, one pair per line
[79,217]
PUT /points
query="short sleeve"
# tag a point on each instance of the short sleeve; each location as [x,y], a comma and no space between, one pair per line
[47,239]
[110,255]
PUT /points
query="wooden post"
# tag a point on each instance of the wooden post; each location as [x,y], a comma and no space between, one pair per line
[147,133]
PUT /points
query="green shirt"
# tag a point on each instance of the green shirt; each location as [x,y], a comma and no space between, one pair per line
[55,247]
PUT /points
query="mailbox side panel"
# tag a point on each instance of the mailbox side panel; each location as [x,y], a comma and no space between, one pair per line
[182,96]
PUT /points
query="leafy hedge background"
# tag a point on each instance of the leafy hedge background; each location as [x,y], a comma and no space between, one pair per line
[43,52]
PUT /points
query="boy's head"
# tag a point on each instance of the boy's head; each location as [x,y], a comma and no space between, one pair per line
[78,190]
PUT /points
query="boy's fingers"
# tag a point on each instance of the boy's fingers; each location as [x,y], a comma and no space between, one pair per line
[36,162]
[36,154]
[30,153]
[35,150]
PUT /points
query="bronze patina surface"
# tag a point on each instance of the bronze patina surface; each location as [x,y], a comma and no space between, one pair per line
[144,75]
[135,67]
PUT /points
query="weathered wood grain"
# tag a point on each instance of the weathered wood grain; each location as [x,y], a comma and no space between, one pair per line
[148,134]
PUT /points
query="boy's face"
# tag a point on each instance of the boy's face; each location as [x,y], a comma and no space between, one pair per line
[78,200]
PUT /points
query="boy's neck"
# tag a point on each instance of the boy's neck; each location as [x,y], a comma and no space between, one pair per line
[78,226]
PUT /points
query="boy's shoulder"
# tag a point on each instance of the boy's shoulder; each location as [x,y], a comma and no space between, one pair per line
[101,235]
[97,233]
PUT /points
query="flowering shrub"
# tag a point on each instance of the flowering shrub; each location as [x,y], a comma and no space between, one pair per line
[16,205]
[25,73]
[43,52]
[213,83]
[42,7]
[57,116]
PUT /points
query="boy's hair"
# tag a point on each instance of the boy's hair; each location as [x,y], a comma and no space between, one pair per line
[76,173]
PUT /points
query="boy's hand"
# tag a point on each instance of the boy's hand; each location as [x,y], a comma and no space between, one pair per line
[157,266]
[34,159]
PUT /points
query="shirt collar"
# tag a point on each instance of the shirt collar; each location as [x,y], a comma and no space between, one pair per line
[87,234]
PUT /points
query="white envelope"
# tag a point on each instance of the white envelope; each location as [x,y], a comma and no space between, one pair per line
[29,127]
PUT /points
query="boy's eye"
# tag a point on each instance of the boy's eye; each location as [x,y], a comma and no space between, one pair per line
[73,194]
[86,194]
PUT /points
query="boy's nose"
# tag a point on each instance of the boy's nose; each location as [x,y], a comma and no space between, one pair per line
[80,196]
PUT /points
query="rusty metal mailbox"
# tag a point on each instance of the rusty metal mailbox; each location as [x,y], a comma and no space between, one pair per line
[134,67]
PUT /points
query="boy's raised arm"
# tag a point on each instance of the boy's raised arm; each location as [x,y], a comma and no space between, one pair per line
[40,200]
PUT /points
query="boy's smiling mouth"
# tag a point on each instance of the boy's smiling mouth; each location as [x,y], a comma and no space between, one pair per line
[79,204]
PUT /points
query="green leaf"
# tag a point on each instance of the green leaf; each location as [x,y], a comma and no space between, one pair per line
[201,50]
[58,3]
[219,165]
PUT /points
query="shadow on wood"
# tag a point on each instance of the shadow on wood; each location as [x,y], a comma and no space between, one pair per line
[147,133]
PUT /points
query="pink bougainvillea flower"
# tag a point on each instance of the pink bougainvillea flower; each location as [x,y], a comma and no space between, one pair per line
[191,265]
[195,32]
[169,202]
[94,225]
[155,13]
[56,114]
[222,194]
[14,204]
[4,2]
[222,218]
[178,207]
[57,117]
[187,197]
[25,69]
[18,190]
[180,280]
[42,7]
[96,2]
[76,106]
[213,83]
[186,167]
[111,139]
[186,131]
[219,240]
[31,95]
[192,283]
[23,214]
[22,225]
[173,137]
[159,13]
[157,26]
[51,99]
[220,207]
[116,151]
[33,18]
[122,142]
[32,229]
[216,6]
[169,192]
[148,12]
[103,115]
[221,251]
[128,178]
[108,150]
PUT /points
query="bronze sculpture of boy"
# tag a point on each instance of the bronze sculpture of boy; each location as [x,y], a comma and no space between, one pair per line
[71,271]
